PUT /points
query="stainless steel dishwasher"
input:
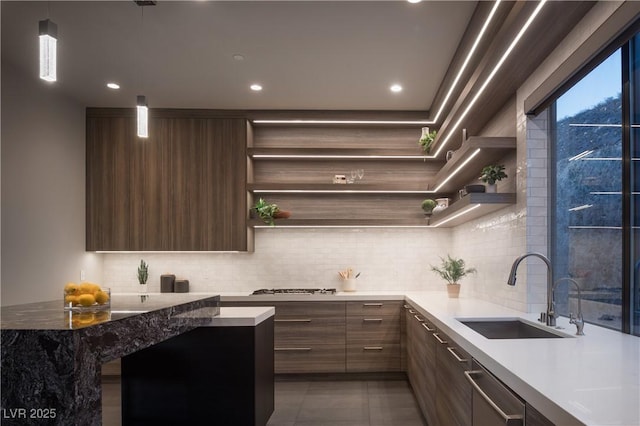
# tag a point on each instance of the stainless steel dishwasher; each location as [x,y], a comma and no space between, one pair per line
[493,403]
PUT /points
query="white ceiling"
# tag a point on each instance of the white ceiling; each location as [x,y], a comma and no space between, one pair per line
[307,55]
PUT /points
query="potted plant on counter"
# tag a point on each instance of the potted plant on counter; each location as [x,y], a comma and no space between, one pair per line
[143,276]
[269,211]
[492,174]
[452,270]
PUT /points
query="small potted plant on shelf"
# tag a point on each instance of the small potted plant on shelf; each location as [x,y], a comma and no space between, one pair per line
[268,212]
[452,270]
[143,275]
[426,139]
[428,206]
[492,174]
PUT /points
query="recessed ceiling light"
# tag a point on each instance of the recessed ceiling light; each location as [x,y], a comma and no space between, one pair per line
[396,88]
[256,87]
[238,57]
[113,86]
[414,1]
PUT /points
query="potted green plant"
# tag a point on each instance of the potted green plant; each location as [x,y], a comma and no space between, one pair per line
[426,139]
[269,211]
[143,275]
[492,174]
[428,206]
[452,271]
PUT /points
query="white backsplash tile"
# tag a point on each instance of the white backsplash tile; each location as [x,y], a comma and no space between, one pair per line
[388,259]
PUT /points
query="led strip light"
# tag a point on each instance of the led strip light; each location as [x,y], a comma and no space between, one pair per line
[457,215]
[418,122]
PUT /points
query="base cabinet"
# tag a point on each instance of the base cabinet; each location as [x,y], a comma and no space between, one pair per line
[210,375]
[534,418]
[373,336]
[454,392]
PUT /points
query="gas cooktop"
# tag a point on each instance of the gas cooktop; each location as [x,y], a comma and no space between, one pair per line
[295,291]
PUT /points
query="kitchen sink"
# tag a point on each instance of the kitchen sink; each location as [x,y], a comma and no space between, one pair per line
[509,328]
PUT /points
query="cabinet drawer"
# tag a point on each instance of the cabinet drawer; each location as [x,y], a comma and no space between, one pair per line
[312,358]
[296,331]
[301,310]
[382,357]
[374,307]
[373,328]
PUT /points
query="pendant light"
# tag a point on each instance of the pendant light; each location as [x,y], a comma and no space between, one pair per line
[142,109]
[48,33]
[142,116]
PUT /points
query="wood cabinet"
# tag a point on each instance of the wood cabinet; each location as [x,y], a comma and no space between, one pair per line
[309,337]
[454,393]
[421,362]
[534,418]
[182,189]
[373,336]
[293,166]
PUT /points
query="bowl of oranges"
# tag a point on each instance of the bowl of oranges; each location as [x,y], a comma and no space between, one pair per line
[86,297]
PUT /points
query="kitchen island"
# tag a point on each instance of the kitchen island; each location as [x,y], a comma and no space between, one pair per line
[51,359]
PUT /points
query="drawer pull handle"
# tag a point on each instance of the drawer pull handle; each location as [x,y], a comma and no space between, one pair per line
[444,342]
[406,306]
[411,311]
[372,320]
[373,348]
[426,327]
[372,305]
[292,349]
[510,419]
[455,355]
[418,318]
[293,320]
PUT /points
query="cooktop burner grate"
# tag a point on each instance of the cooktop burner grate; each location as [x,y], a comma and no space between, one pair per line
[295,291]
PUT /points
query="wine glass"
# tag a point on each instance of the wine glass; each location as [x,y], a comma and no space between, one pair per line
[360,174]
[354,174]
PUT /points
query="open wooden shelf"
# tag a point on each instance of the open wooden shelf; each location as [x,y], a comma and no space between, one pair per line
[337,154]
[338,223]
[455,173]
[470,207]
[355,188]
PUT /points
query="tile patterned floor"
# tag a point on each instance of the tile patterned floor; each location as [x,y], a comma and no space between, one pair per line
[320,402]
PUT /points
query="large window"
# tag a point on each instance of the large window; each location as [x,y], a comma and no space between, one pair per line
[592,214]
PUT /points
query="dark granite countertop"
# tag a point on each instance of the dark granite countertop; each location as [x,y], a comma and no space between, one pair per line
[51,359]
[50,315]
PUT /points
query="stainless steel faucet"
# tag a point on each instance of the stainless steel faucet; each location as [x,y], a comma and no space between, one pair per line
[578,321]
[550,315]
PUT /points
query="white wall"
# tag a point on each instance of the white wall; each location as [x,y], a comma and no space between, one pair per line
[43,191]
[388,259]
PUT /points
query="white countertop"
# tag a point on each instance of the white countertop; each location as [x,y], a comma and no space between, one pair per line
[242,316]
[591,380]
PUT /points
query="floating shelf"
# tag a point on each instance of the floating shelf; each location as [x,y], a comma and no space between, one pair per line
[476,150]
[470,207]
[336,154]
[310,188]
[342,223]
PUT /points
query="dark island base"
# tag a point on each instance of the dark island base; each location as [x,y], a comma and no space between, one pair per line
[207,376]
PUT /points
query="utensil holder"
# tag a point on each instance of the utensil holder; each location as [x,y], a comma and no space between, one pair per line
[349,284]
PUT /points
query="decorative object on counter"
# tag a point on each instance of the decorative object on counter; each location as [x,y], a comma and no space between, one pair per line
[143,276]
[167,282]
[443,203]
[427,206]
[426,139]
[269,211]
[86,297]
[181,286]
[492,174]
[452,271]
[340,179]
[348,279]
